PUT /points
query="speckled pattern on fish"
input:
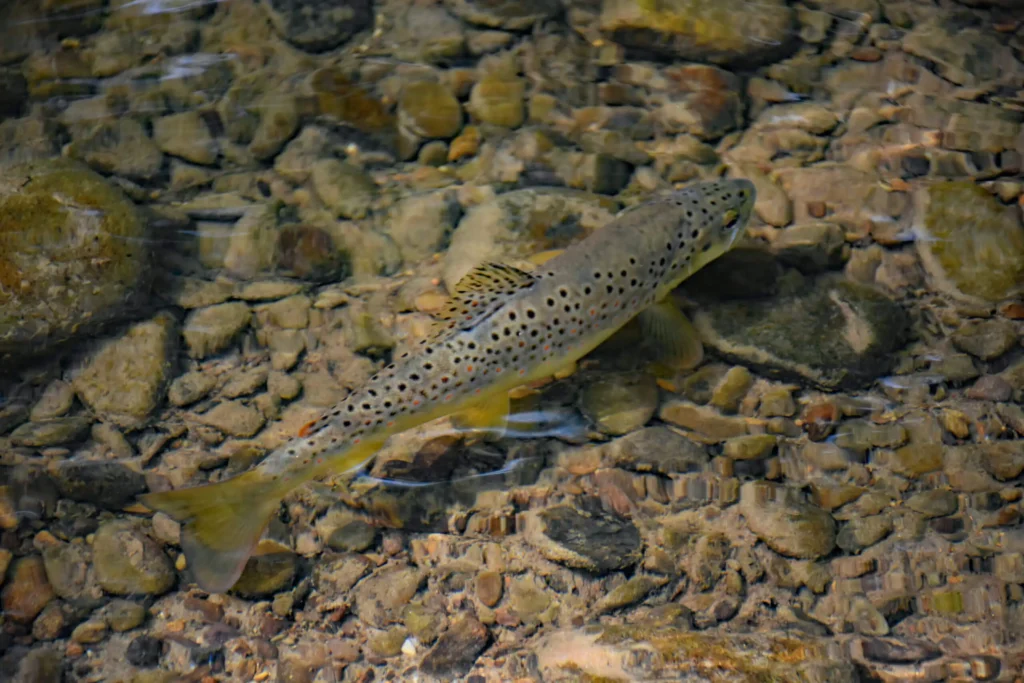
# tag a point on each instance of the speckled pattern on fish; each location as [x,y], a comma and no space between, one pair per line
[504,328]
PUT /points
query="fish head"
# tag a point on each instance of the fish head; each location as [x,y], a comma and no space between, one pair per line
[716,217]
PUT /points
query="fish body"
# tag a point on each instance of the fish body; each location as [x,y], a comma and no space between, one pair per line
[504,328]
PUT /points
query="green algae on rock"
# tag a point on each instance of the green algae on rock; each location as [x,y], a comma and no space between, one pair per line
[716,31]
[832,333]
[971,245]
[73,253]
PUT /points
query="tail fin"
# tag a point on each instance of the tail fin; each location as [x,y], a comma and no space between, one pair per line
[221,524]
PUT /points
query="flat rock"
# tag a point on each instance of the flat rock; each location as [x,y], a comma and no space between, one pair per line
[963,49]
[833,334]
[584,536]
[52,432]
[971,245]
[109,485]
[234,418]
[513,15]
[656,449]
[720,32]
[457,647]
[124,381]
[317,25]
[209,330]
[788,525]
[73,254]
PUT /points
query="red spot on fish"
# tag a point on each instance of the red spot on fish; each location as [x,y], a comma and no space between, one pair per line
[497,371]
[593,312]
[477,391]
[355,441]
[572,331]
[306,428]
[469,368]
[448,397]
[368,423]
[319,461]
[391,424]
[416,402]
[522,372]
[548,347]
[522,344]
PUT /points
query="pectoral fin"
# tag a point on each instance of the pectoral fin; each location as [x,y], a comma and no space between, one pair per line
[489,415]
[670,337]
[540,258]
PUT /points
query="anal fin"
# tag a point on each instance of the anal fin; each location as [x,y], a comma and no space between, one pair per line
[670,337]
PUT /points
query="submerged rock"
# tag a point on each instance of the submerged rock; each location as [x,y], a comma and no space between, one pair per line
[124,381]
[834,334]
[317,25]
[73,254]
[788,525]
[970,244]
[585,537]
[716,31]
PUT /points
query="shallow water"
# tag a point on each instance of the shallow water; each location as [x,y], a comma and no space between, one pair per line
[219,218]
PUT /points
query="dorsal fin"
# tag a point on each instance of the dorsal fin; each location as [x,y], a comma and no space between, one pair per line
[481,292]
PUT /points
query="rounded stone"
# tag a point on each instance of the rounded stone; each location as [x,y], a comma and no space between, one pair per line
[73,254]
[788,525]
[317,25]
[129,562]
[429,110]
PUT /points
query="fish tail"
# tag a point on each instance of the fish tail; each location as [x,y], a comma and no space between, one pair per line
[221,524]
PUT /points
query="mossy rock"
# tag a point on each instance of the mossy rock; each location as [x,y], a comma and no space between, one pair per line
[73,253]
[971,245]
[832,333]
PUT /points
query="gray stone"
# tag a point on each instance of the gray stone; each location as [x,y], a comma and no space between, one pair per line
[129,562]
[786,523]
[109,485]
[317,25]
[834,334]
[121,147]
[209,330]
[584,536]
[124,381]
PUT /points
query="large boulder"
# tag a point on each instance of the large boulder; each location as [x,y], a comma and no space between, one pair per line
[73,253]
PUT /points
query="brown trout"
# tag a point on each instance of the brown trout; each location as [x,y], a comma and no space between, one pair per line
[503,328]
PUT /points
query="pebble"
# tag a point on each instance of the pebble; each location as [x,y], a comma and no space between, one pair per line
[457,647]
[144,652]
[706,422]
[124,615]
[343,188]
[190,387]
[89,632]
[777,402]
[629,593]
[284,386]
[935,503]
[429,110]
[53,432]
[186,135]
[914,460]
[209,330]
[751,447]
[731,389]
[864,532]
[110,485]
[234,418]
[489,587]
[113,439]
[498,101]
[354,536]
[990,388]
[380,598]
[619,404]
[56,401]
[316,27]
[420,224]
[27,591]
[246,382]
[788,525]
[656,449]
[129,562]
[986,339]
